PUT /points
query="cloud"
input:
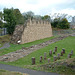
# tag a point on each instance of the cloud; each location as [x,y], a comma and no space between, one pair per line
[41,7]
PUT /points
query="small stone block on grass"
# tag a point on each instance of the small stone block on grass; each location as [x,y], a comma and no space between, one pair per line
[55,49]
[58,55]
[61,53]
[72,52]
[48,60]
[50,53]
[44,55]
[69,55]
[33,60]
[63,50]
[41,58]
[55,58]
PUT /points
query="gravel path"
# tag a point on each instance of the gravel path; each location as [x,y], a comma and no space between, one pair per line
[6,45]
[22,70]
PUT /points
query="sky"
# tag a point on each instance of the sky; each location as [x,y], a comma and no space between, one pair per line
[41,7]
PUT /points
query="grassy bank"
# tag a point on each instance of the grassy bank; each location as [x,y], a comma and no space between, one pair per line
[25,62]
[4,72]
[14,47]
[67,43]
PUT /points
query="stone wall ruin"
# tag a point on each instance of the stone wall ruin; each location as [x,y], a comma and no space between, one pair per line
[32,30]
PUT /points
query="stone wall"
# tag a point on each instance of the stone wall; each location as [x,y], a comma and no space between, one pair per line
[17,34]
[33,30]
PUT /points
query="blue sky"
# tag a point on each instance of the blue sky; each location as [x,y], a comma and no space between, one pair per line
[41,7]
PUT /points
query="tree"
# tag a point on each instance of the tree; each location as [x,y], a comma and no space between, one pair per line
[64,24]
[1,15]
[28,15]
[1,20]
[10,18]
[19,17]
[1,24]
[60,23]
[46,17]
[55,22]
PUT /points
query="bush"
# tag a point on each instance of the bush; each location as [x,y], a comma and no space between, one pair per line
[60,23]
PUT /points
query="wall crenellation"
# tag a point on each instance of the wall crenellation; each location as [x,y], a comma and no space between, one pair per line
[37,22]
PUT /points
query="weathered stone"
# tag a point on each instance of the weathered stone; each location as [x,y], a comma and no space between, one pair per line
[72,52]
[44,55]
[50,66]
[69,55]
[50,53]
[61,53]
[48,60]
[55,49]
[58,55]
[33,60]
[63,50]
[55,58]
[41,58]
[30,31]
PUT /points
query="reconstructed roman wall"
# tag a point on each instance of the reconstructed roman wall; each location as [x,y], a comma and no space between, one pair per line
[32,30]
[35,30]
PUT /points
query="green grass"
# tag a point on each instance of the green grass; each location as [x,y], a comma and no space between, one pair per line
[14,47]
[4,39]
[4,72]
[67,43]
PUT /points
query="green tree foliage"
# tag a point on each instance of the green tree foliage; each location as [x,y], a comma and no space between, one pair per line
[46,17]
[19,17]
[1,15]
[55,22]
[28,15]
[63,24]
[10,18]
[60,23]
[1,23]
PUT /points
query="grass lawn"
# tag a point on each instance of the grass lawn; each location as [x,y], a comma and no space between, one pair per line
[4,72]
[14,47]
[67,43]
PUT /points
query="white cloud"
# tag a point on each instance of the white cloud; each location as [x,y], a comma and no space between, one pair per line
[41,7]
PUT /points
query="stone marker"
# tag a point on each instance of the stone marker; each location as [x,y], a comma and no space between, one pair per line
[48,60]
[50,53]
[44,55]
[58,55]
[72,52]
[55,49]
[40,58]
[55,58]
[23,48]
[69,55]
[61,53]
[33,60]
[63,50]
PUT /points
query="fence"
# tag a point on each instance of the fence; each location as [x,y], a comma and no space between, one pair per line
[3,31]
